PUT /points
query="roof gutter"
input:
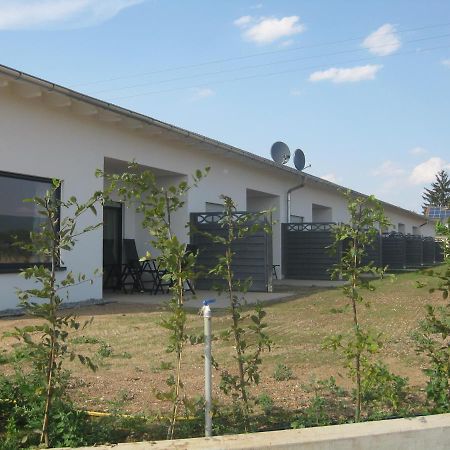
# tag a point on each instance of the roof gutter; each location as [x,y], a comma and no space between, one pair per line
[289,192]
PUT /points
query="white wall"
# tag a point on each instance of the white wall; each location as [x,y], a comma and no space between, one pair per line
[321,213]
[42,140]
[133,221]
[313,193]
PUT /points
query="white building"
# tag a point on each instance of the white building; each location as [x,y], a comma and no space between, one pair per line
[48,131]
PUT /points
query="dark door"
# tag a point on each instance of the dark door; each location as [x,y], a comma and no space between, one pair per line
[112,243]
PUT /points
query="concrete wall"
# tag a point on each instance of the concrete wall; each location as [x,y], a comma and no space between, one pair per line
[41,139]
[419,433]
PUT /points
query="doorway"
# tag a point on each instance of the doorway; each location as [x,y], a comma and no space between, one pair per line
[112,243]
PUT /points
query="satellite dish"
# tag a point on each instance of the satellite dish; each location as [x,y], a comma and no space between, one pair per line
[280,152]
[299,159]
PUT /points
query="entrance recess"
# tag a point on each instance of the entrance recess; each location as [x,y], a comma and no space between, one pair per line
[112,243]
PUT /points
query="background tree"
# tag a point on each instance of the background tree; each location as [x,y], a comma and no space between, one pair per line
[439,193]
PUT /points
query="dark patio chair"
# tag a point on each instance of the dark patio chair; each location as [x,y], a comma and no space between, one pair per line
[190,249]
[161,283]
[134,269]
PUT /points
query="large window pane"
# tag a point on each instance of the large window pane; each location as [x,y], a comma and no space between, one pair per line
[18,218]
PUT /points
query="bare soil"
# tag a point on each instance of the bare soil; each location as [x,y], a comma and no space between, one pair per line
[136,367]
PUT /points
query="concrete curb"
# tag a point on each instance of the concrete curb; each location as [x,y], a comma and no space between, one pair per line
[418,433]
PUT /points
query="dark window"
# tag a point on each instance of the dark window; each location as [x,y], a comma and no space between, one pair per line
[18,218]
[296,219]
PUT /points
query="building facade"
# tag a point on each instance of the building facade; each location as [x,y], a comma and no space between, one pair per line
[49,132]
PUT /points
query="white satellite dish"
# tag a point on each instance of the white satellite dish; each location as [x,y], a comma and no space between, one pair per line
[299,159]
[280,152]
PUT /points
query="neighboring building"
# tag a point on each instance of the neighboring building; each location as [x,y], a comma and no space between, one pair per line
[48,131]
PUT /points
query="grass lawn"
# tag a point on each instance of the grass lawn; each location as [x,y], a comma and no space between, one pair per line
[129,346]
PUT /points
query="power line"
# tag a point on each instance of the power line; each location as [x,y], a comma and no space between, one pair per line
[255,66]
[273,73]
[252,55]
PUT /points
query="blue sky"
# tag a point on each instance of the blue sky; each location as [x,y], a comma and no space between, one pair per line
[363,87]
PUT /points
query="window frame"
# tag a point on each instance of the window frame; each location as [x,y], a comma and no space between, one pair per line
[401,227]
[18,267]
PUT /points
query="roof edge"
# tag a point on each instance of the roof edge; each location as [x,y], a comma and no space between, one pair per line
[53,87]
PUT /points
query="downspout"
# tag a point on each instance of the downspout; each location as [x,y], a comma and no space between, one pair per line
[299,186]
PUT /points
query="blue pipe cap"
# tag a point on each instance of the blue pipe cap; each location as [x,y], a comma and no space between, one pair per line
[209,301]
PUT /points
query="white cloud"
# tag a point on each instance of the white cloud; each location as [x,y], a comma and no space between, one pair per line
[397,182]
[389,186]
[426,171]
[396,176]
[388,169]
[392,177]
[347,75]
[200,93]
[265,30]
[383,41]
[418,151]
[446,62]
[243,21]
[26,14]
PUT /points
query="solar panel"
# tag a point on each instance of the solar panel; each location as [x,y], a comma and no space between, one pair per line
[437,212]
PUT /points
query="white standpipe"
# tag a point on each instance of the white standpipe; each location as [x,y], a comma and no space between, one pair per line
[208,367]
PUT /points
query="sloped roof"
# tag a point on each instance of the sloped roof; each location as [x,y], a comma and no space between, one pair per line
[15,76]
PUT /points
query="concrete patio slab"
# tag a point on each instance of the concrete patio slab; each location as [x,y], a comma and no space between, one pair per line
[285,290]
[195,301]
[307,283]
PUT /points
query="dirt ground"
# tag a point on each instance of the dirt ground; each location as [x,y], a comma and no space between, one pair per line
[128,345]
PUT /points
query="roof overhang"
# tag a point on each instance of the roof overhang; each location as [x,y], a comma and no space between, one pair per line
[29,86]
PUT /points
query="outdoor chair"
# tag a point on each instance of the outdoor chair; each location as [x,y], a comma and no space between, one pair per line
[161,284]
[134,269]
[190,249]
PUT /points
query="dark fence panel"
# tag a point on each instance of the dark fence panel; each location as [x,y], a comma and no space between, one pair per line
[394,250]
[428,251]
[253,254]
[304,251]
[374,253]
[414,251]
